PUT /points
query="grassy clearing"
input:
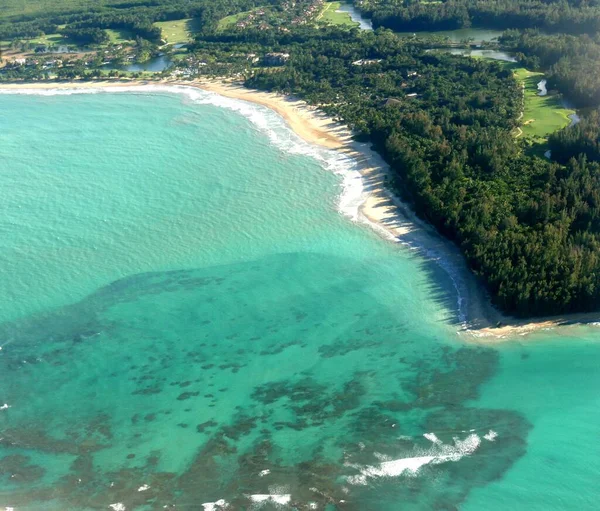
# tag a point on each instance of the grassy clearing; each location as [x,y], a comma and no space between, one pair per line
[119,36]
[177,31]
[176,57]
[45,40]
[331,15]
[542,115]
[229,21]
[50,39]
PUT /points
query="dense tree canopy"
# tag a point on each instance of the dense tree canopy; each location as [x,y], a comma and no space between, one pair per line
[556,16]
[583,139]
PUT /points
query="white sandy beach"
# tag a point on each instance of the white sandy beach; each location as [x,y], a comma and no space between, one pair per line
[380,207]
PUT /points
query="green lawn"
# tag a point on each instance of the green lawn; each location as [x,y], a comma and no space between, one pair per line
[177,31]
[542,115]
[119,36]
[330,15]
[50,39]
[229,21]
[176,57]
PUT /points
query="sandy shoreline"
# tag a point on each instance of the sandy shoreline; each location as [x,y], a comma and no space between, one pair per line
[380,206]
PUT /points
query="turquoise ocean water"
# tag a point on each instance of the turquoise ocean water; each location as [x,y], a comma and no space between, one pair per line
[191,319]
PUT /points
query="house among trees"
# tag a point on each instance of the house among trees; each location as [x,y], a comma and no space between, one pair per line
[276,59]
[366,62]
[388,102]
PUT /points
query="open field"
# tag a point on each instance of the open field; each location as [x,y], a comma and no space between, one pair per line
[229,21]
[50,39]
[177,31]
[542,115]
[331,15]
[119,36]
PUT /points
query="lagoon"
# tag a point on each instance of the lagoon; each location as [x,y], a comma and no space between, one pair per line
[356,16]
[477,35]
[486,54]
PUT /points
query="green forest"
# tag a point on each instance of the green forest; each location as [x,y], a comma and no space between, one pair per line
[551,15]
[528,225]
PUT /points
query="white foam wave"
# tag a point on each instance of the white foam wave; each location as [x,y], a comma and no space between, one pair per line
[144,487]
[281,499]
[432,438]
[491,435]
[119,506]
[215,506]
[281,136]
[264,473]
[439,453]
[5,406]
[60,92]
[264,119]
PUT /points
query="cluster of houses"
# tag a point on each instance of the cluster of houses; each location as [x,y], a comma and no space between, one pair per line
[366,62]
[192,66]
[302,15]
[309,13]
[276,59]
[188,67]
[45,63]
[63,48]
[251,18]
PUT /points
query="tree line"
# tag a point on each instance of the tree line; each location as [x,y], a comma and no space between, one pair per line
[550,15]
[582,139]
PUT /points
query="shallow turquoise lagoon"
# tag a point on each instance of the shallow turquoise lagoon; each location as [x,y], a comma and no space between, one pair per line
[192,320]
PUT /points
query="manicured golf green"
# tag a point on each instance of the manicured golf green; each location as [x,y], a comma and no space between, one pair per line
[176,31]
[542,115]
[332,15]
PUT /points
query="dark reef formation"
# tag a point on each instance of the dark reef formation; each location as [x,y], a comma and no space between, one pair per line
[253,397]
